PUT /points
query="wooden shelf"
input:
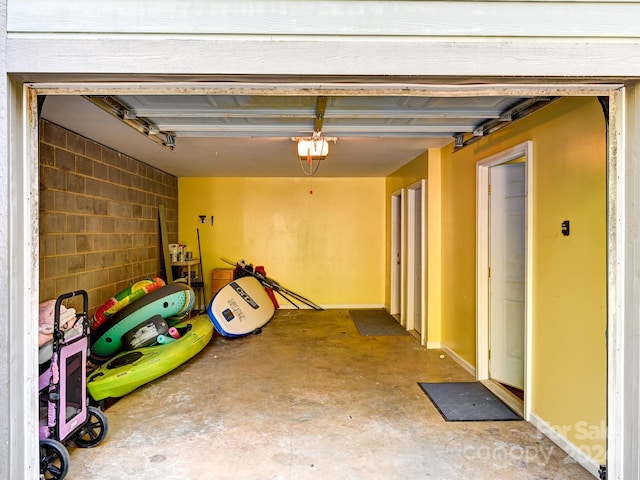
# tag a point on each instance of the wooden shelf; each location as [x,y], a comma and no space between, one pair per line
[188,264]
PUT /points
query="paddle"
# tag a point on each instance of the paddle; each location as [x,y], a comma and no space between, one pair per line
[272,284]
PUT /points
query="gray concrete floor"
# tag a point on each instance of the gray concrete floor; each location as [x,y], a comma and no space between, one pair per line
[310,398]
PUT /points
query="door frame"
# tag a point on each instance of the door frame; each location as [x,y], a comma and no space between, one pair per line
[412,199]
[525,150]
[398,244]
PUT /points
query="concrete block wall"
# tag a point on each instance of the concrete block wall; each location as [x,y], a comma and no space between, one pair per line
[99,225]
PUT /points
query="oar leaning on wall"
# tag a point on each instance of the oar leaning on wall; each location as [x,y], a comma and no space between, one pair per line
[201,282]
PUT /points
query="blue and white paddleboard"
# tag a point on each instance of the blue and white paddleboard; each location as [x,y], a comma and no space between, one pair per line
[240,307]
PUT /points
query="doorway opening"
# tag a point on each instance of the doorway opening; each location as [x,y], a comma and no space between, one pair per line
[504,274]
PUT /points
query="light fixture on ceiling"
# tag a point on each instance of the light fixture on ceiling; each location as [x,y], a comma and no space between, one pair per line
[312,149]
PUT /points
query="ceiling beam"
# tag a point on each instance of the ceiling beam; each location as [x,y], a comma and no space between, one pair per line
[553,88]
[343,133]
[306,114]
[321,107]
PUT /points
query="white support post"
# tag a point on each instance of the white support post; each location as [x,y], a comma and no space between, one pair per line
[623,447]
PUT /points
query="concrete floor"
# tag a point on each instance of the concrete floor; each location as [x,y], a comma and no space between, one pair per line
[310,398]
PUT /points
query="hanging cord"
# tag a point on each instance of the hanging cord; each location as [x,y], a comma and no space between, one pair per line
[312,171]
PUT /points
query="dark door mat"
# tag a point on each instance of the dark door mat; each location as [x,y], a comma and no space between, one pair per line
[467,402]
[376,322]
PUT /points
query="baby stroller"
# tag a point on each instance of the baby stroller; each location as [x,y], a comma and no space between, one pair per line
[65,414]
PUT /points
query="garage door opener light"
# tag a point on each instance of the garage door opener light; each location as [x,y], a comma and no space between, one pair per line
[312,149]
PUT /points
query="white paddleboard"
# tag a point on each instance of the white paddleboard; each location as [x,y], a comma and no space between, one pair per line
[240,307]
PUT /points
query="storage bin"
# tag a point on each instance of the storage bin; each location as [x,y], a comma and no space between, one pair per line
[219,278]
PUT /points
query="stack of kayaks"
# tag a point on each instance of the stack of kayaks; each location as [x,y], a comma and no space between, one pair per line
[145,339]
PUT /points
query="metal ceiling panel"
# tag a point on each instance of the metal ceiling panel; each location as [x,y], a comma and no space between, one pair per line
[251,135]
[286,116]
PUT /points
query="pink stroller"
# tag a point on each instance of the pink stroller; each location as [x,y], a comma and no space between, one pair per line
[65,414]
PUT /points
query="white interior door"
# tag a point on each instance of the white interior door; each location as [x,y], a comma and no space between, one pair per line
[507,261]
[416,257]
[396,306]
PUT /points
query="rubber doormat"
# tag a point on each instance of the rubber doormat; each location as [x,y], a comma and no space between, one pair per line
[467,402]
[376,322]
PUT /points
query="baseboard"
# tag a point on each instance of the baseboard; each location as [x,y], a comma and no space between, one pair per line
[459,360]
[565,444]
[288,306]
[434,345]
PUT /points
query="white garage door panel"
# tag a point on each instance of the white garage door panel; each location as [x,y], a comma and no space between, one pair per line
[449,19]
[154,56]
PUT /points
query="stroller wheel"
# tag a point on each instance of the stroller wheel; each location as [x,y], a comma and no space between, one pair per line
[54,459]
[93,431]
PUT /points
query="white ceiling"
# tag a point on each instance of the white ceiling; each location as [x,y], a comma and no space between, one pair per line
[250,135]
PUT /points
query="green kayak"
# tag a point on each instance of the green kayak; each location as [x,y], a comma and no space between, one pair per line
[128,370]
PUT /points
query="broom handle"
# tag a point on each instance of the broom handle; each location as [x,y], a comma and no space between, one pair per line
[204,290]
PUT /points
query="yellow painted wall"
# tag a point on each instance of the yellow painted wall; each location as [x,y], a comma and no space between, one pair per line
[569,273]
[458,274]
[434,249]
[327,246]
[425,166]
[410,173]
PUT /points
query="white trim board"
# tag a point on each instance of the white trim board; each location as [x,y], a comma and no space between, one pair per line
[160,55]
[295,85]
[459,360]
[353,306]
[565,444]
